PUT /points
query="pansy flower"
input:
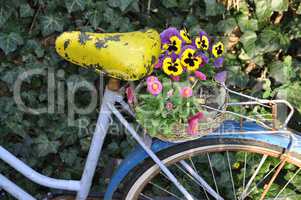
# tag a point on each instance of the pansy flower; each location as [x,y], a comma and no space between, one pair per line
[218,62]
[185,35]
[172,67]
[221,77]
[158,65]
[205,58]
[189,59]
[202,41]
[217,49]
[171,40]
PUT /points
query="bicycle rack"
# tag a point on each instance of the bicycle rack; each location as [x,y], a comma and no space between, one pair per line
[271,104]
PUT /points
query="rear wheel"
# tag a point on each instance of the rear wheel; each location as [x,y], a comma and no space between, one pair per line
[235,169]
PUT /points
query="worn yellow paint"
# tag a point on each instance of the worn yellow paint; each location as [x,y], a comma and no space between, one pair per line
[126,56]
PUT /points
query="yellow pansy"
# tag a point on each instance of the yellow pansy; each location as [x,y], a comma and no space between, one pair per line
[185,36]
[174,45]
[218,49]
[189,60]
[172,68]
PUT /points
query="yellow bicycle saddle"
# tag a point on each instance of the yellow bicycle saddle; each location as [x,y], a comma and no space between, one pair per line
[126,56]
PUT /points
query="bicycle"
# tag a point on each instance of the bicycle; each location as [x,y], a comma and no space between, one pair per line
[167,170]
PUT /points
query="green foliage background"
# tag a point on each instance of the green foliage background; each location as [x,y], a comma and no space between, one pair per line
[262,61]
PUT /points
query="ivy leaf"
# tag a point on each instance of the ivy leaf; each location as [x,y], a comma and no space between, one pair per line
[69,156]
[4,15]
[75,5]
[291,93]
[213,8]
[279,5]
[26,10]
[263,9]
[124,4]
[248,40]
[170,3]
[94,18]
[246,24]
[44,146]
[282,72]
[51,24]
[9,42]
[226,25]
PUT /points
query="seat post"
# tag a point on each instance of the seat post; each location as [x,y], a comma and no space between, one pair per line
[114,84]
[98,138]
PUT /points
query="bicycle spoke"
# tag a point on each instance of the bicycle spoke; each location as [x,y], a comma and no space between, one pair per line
[224,175]
[213,176]
[231,175]
[268,186]
[288,182]
[245,169]
[145,196]
[200,180]
[164,190]
[263,179]
[193,166]
[244,193]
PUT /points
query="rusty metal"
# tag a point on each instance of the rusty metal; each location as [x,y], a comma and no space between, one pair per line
[268,186]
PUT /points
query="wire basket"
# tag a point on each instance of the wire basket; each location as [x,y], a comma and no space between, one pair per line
[218,107]
[211,96]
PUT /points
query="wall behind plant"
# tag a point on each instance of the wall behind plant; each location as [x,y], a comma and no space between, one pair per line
[262,38]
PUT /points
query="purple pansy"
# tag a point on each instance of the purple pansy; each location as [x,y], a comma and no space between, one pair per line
[205,58]
[168,33]
[219,62]
[221,77]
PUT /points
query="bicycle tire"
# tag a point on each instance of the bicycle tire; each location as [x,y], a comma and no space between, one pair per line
[147,169]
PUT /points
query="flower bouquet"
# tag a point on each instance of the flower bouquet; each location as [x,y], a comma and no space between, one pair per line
[173,102]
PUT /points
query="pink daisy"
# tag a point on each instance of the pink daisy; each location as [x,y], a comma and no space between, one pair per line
[186,92]
[154,87]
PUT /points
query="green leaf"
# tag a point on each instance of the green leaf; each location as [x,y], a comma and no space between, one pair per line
[69,156]
[51,24]
[4,16]
[121,4]
[124,4]
[75,5]
[214,8]
[266,86]
[226,25]
[246,24]
[170,3]
[279,5]
[94,18]
[248,40]
[282,72]
[263,9]
[291,93]
[299,9]
[9,42]
[44,146]
[26,10]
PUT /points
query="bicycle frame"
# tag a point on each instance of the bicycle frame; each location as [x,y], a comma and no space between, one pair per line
[82,187]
